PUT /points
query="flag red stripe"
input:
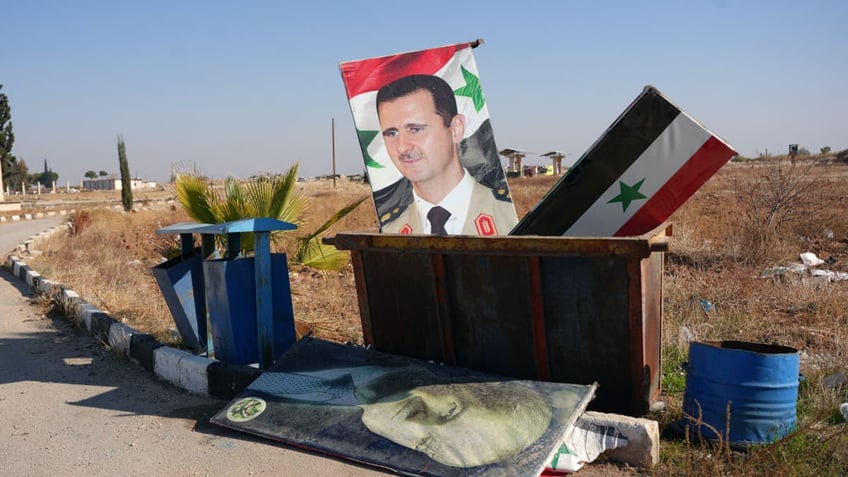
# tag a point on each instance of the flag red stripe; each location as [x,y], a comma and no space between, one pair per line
[372,73]
[706,161]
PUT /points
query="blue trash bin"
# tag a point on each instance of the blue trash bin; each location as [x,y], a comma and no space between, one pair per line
[231,301]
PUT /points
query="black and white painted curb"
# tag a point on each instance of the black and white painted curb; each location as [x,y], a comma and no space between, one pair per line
[37,215]
[195,374]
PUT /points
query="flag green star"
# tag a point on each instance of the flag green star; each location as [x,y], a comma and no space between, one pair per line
[365,139]
[628,194]
[472,89]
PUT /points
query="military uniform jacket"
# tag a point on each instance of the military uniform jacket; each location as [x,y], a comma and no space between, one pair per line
[487,215]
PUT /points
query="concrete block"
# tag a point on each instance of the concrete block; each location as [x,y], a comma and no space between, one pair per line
[70,301]
[182,369]
[31,278]
[46,286]
[86,311]
[16,268]
[119,337]
[643,438]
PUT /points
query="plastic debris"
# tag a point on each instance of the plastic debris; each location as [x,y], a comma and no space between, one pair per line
[810,259]
[782,270]
[584,444]
[686,335]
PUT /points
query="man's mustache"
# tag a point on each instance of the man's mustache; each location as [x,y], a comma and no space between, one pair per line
[410,156]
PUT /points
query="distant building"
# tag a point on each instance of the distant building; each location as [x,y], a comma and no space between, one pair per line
[115,184]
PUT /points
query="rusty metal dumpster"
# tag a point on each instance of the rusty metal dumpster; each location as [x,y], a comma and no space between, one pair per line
[563,309]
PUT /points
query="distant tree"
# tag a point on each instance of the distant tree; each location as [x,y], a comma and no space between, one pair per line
[803,151]
[90,174]
[103,173]
[46,178]
[126,179]
[16,175]
[825,150]
[8,163]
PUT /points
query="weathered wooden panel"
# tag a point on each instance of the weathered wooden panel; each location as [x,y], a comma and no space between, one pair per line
[488,302]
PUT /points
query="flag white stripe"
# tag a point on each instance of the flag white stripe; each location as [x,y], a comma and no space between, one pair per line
[661,160]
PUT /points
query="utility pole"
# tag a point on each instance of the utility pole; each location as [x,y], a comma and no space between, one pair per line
[333,134]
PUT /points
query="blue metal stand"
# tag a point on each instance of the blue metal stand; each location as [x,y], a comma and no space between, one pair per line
[215,306]
[273,317]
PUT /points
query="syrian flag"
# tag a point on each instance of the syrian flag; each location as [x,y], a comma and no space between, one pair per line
[645,166]
[453,63]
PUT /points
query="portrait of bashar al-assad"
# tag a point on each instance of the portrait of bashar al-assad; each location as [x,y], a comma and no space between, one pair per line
[423,125]
[422,131]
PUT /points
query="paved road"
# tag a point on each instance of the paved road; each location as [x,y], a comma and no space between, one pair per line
[13,233]
[70,407]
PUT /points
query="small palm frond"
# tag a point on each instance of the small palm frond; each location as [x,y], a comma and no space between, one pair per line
[196,197]
[285,203]
[310,250]
[336,217]
[315,254]
[276,197]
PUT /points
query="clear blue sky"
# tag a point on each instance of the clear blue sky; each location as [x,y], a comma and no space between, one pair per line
[252,86]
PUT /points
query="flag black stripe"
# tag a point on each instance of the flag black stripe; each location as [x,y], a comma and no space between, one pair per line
[599,167]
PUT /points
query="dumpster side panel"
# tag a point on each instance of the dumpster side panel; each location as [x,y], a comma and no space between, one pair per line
[574,310]
[489,299]
[652,299]
[586,311]
[402,304]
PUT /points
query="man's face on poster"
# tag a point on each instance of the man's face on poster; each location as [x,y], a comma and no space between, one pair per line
[461,425]
[421,147]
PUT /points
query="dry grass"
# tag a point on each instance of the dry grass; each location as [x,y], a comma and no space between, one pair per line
[745,220]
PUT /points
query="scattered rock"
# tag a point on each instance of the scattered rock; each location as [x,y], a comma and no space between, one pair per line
[835,381]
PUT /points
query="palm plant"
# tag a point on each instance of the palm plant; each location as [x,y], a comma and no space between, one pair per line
[263,196]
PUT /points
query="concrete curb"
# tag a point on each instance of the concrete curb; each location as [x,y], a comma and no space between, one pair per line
[195,374]
[37,215]
[67,212]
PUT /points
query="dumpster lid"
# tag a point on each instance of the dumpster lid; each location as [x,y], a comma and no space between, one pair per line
[259,224]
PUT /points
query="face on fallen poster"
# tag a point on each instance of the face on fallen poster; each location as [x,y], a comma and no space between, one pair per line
[406,415]
[426,138]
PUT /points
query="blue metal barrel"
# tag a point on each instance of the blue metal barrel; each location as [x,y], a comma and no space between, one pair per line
[756,383]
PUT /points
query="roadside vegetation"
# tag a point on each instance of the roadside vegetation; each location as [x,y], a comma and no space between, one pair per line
[727,277]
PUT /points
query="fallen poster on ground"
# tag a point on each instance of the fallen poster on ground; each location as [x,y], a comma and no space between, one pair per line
[630,181]
[403,170]
[405,415]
